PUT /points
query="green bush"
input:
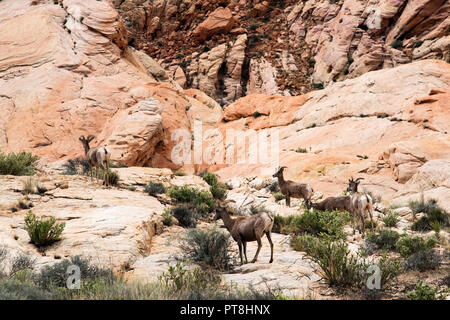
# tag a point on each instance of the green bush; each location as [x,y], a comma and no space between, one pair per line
[278,196]
[167,217]
[55,276]
[185,217]
[391,219]
[153,188]
[434,215]
[319,223]
[113,177]
[409,245]
[338,267]
[423,260]
[385,239]
[43,232]
[201,200]
[20,164]
[390,268]
[425,292]
[218,190]
[72,165]
[14,289]
[210,246]
[210,178]
[274,187]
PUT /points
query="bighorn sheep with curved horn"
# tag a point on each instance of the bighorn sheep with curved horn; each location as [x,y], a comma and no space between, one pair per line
[293,189]
[360,202]
[245,229]
[97,157]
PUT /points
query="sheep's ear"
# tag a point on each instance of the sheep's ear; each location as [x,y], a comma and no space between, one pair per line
[90,138]
[82,138]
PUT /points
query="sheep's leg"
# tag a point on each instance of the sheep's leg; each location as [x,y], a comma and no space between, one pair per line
[288,200]
[245,251]
[259,249]
[103,168]
[371,216]
[107,173]
[240,252]
[269,237]
[354,222]
[363,224]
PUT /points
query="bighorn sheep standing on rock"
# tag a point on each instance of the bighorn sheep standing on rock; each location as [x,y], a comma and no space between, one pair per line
[245,229]
[360,202]
[97,157]
[334,203]
[293,189]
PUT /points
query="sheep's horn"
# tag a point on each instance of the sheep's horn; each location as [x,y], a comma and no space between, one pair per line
[357,179]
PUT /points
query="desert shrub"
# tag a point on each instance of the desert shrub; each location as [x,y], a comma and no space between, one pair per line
[43,232]
[301,150]
[72,166]
[29,186]
[153,188]
[14,289]
[319,223]
[390,268]
[210,178]
[409,245]
[185,216]
[21,262]
[180,173]
[391,219]
[385,239]
[338,267]
[281,224]
[24,204]
[433,214]
[423,260]
[113,177]
[218,190]
[131,188]
[274,187]
[210,246]
[56,275]
[201,200]
[20,164]
[167,217]
[278,196]
[255,209]
[425,292]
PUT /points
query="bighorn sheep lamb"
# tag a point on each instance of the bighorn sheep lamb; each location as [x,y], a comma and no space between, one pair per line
[360,202]
[97,157]
[245,229]
[334,203]
[293,189]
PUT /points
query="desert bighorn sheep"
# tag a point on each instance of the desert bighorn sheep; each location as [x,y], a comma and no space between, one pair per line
[360,202]
[293,189]
[334,203]
[97,157]
[245,229]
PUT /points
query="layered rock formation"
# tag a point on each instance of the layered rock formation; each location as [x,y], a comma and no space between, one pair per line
[66,70]
[292,46]
[383,126]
